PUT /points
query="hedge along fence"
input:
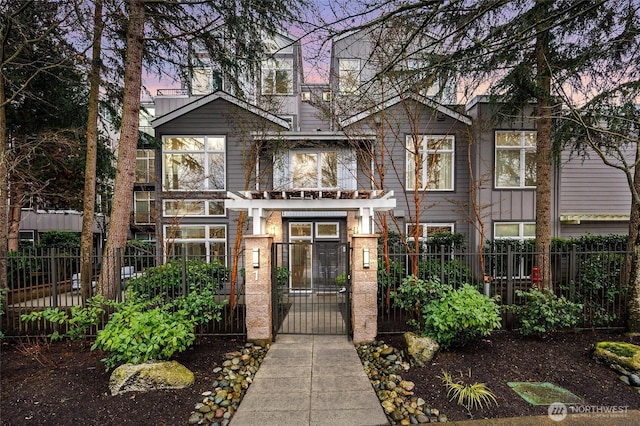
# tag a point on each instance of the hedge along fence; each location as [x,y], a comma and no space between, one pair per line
[57,286]
[586,270]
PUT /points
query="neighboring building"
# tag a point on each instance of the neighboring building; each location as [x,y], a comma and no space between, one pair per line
[326,144]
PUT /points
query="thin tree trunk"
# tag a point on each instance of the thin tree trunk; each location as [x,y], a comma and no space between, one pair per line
[631,264]
[4,187]
[125,176]
[16,194]
[89,201]
[543,148]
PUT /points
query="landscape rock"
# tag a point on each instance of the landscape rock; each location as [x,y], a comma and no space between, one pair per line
[421,350]
[149,376]
[626,355]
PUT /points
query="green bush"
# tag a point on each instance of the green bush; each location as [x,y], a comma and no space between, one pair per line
[77,323]
[454,270]
[543,312]
[459,316]
[141,329]
[60,240]
[168,279]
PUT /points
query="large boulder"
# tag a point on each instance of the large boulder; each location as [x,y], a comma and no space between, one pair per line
[151,375]
[626,355]
[420,349]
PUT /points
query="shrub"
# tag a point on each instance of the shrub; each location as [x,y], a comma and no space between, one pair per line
[415,293]
[454,271]
[469,395]
[77,323]
[142,329]
[459,316]
[543,312]
[60,239]
[168,279]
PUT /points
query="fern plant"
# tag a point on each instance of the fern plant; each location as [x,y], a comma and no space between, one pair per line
[469,395]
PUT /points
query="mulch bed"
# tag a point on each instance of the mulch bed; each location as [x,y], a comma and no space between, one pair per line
[65,383]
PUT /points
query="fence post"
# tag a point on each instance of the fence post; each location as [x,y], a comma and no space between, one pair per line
[442,263]
[116,273]
[184,273]
[54,278]
[573,265]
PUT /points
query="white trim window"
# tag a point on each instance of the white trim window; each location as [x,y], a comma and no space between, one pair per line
[194,163]
[515,159]
[517,231]
[143,207]
[206,242]
[315,170]
[433,156]
[193,208]
[426,230]
[277,76]
[145,165]
[348,76]
[327,230]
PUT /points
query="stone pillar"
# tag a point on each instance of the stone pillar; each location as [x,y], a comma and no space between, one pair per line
[364,285]
[259,318]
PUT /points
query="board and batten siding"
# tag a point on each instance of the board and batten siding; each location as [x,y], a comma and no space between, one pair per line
[436,206]
[217,118]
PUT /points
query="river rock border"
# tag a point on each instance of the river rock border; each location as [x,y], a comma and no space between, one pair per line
[383,365]
[217,406]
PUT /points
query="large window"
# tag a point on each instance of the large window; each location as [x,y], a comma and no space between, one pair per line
[515,159]
[181,208]
[205,80]
[277,76]
[194,163]
[145,165]
[349,75]
[430,162]
[515,235]
[317,169]
[200,241]
[143,208]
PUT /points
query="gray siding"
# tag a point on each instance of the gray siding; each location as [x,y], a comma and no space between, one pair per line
[589,186]
[217,118]
[435,206]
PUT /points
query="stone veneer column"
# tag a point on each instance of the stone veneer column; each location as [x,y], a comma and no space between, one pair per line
[364,285]
[259,317]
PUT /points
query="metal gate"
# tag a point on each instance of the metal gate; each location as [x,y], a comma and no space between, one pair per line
[311,284]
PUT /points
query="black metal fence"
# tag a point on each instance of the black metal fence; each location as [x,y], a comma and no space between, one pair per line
[592,277]
[37,280]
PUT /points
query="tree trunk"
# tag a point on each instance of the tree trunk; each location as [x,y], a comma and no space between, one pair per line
[631,264]
[125,176]
[16,193]
[543,148]
[4,179]
[89,200]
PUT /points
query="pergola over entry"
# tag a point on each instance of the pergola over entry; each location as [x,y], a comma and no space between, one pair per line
[259,204]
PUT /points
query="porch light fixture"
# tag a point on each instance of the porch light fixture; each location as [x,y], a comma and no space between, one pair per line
[365,258]
[256,258]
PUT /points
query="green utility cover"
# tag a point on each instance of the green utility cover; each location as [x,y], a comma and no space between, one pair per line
[538,393]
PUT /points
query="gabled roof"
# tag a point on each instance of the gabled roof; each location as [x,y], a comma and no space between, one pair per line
[399,98]
[204,100]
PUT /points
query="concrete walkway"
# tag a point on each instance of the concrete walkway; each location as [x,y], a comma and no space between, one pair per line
[310,380]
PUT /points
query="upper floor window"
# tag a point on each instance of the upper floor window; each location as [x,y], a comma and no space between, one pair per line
[317,169]
[277,76]
[205,80]
[430,162]
[349,75]
[193,163]
[145,165]
[193,208]
[143,207]
[515,159]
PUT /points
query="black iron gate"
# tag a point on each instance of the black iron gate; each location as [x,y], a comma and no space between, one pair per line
[311,288]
